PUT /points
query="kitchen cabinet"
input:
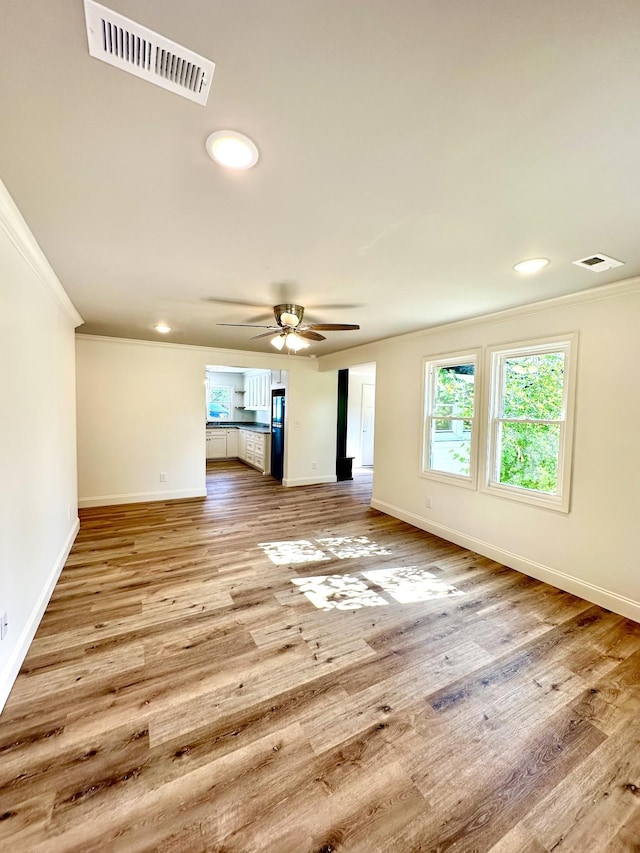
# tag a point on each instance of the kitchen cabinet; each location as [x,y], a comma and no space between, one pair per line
[232,443]
[222,443]
[216,443]
[251,447]
[242,444]
[258,451]
[257,389]
[263,453]
[254,449]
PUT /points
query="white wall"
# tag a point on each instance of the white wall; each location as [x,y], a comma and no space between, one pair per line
[38,497]
[311,413]
[592,551]
[140,413]
[261,416]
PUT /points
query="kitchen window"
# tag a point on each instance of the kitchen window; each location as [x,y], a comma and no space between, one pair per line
[530,423]
[449,425]
[219,402]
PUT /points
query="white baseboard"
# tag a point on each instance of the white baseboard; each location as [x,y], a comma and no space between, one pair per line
[19,653]
[597,595]
[141,497]
[310,481]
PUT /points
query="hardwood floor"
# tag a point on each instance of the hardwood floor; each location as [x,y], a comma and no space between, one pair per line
[182,694]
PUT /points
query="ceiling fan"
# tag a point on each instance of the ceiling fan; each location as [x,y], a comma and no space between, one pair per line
[289,330]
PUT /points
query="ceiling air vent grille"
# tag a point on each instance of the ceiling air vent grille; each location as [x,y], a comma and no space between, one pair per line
[137,50]
[598,263]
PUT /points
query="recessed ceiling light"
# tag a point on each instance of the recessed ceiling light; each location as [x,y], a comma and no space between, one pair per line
[162,328]
[231,149]
[532,265]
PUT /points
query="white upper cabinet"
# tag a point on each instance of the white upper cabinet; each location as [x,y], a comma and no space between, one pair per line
[257,389]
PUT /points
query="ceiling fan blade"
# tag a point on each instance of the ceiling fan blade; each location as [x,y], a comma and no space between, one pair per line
[264,335]
[336,307]
[249,326]
[222,301]
[310,336]
[333,327]
[261,318]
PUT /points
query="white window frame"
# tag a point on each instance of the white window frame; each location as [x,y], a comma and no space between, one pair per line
[429,365]
[496,357]
[211,384]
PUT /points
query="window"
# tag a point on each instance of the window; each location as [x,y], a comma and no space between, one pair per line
[218,402]
[530,422]
[449,434]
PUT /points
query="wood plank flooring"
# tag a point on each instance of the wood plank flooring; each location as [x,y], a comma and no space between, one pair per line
[182,694]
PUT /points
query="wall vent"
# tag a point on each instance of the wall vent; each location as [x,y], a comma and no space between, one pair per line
[598,263]
[137,50]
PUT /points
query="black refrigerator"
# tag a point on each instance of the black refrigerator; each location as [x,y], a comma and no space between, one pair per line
[277,433]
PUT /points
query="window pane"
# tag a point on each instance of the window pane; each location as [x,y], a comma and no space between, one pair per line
[529,456]
[450,452]
[219,403]
[532,386]
[454,390]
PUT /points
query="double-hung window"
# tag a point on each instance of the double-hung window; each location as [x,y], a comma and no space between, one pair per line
[530,422]
[449,431]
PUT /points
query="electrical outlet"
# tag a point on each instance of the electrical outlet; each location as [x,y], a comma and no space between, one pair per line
[4,625]
[314,465]
[427,502]
[163,476]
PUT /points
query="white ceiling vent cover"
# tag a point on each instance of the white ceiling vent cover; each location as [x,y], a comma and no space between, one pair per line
[137,50]
[598,263]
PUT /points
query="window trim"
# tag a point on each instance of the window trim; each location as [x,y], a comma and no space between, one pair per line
[495,358]
[429,363]
[209,386]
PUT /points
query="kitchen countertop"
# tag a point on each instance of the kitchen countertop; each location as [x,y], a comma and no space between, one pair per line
[264,428]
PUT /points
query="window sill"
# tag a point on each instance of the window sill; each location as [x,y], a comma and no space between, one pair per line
[556,503]
[451,479]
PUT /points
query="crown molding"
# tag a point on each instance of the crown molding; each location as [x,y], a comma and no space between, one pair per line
[19,233]
[267,359]
[593,294]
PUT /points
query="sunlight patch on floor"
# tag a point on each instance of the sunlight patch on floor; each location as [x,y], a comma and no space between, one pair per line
[293,551]
[348,547]
[304,551]
[411,583]
[338,592]
[406,585]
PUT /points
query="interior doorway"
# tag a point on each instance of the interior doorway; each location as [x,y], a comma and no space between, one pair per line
[367,421]
[361,415]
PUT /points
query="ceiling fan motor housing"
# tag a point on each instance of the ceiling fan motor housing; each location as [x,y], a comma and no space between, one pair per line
[288,314]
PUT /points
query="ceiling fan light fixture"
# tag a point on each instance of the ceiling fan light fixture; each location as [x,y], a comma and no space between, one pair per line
[288,314]
[278,342]
[295,342]
[288,319]
[232,150]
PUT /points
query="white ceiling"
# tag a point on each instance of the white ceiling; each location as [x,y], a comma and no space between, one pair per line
[411,153]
